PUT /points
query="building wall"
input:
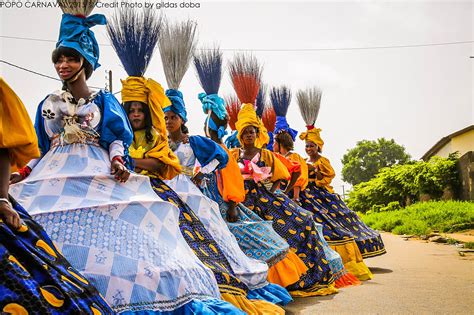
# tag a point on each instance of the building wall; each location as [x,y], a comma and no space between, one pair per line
[462,143]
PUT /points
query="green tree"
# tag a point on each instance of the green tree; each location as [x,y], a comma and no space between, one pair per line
[364,161]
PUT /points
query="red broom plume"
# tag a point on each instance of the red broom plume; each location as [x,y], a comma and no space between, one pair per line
[246,74]
[232,105]
[269,119]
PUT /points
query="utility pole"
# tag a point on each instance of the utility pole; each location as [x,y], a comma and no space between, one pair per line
[108,81]
[343,193]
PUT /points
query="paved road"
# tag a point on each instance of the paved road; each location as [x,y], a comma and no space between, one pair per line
[414,277]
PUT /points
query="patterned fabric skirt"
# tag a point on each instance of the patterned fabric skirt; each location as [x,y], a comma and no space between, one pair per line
[297,227]
[36,279]
[338,220]
[122,237]
[212,255]
[201,241]
[255,236]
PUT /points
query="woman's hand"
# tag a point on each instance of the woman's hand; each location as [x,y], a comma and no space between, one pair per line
[232,213]
[120,171]
[15,178]
[10,216]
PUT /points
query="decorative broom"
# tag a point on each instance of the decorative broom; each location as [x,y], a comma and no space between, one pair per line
[261,100]
[233,107]
[269,119]
[177,44]
[134,35]
[245,74]
[309,103]
[281,99]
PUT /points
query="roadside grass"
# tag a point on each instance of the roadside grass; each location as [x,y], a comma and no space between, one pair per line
[424,217]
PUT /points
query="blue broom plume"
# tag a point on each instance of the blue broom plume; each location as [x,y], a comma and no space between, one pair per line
[280,98]
[208,65]
[261,100]
[134,35]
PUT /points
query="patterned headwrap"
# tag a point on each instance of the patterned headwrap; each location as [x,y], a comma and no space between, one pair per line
[177,105]
[313,135]
[75,33]
[150,92]
[248,117]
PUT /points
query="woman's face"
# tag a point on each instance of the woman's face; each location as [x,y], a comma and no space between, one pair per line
[136,116]
[249,135]
[67,67]
[173,121]
[311,148]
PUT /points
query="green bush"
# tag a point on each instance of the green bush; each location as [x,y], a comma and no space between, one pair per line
[400,185]
[424,217]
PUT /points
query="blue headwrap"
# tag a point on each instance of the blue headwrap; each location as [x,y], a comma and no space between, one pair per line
[232,141]
[214,103]
[211,124]
[177,104]
[281,125]
[75,33]
[270,142]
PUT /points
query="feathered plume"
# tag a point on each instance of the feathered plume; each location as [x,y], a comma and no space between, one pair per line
[77,7]
[309,102]
[208,65]
[134,35]
[177,44]
[261,100]
[269,119]
[280,99]
[233,106]
[246,74]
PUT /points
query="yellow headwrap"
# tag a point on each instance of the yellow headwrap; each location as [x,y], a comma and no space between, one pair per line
[248,117]
[152,93]
[16,130]
[313,135]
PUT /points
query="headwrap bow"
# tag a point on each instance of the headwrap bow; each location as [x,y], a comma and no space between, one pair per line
[313,135]
[214,103]
[211,124]
[282,125]
[177,105]
[75,33]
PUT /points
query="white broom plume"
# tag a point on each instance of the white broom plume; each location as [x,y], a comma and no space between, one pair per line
[309,102]
[177,44]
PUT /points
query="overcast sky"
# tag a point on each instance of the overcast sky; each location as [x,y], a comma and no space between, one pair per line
[415,95]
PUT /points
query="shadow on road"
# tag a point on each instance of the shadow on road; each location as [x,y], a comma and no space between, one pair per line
[377,270]
[300,304]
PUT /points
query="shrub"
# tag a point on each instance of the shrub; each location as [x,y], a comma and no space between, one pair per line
[403,184]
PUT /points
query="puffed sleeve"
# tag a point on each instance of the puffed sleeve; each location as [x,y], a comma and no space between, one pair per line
[324,166]
[16,130]
[279,171]
[230,181]
[302,181]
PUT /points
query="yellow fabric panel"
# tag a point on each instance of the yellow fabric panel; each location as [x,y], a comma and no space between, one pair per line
[279,171]
[16,130]
[257,307]
[352,260]
[230,180]
[152,93]
[324,166]
[302,181]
